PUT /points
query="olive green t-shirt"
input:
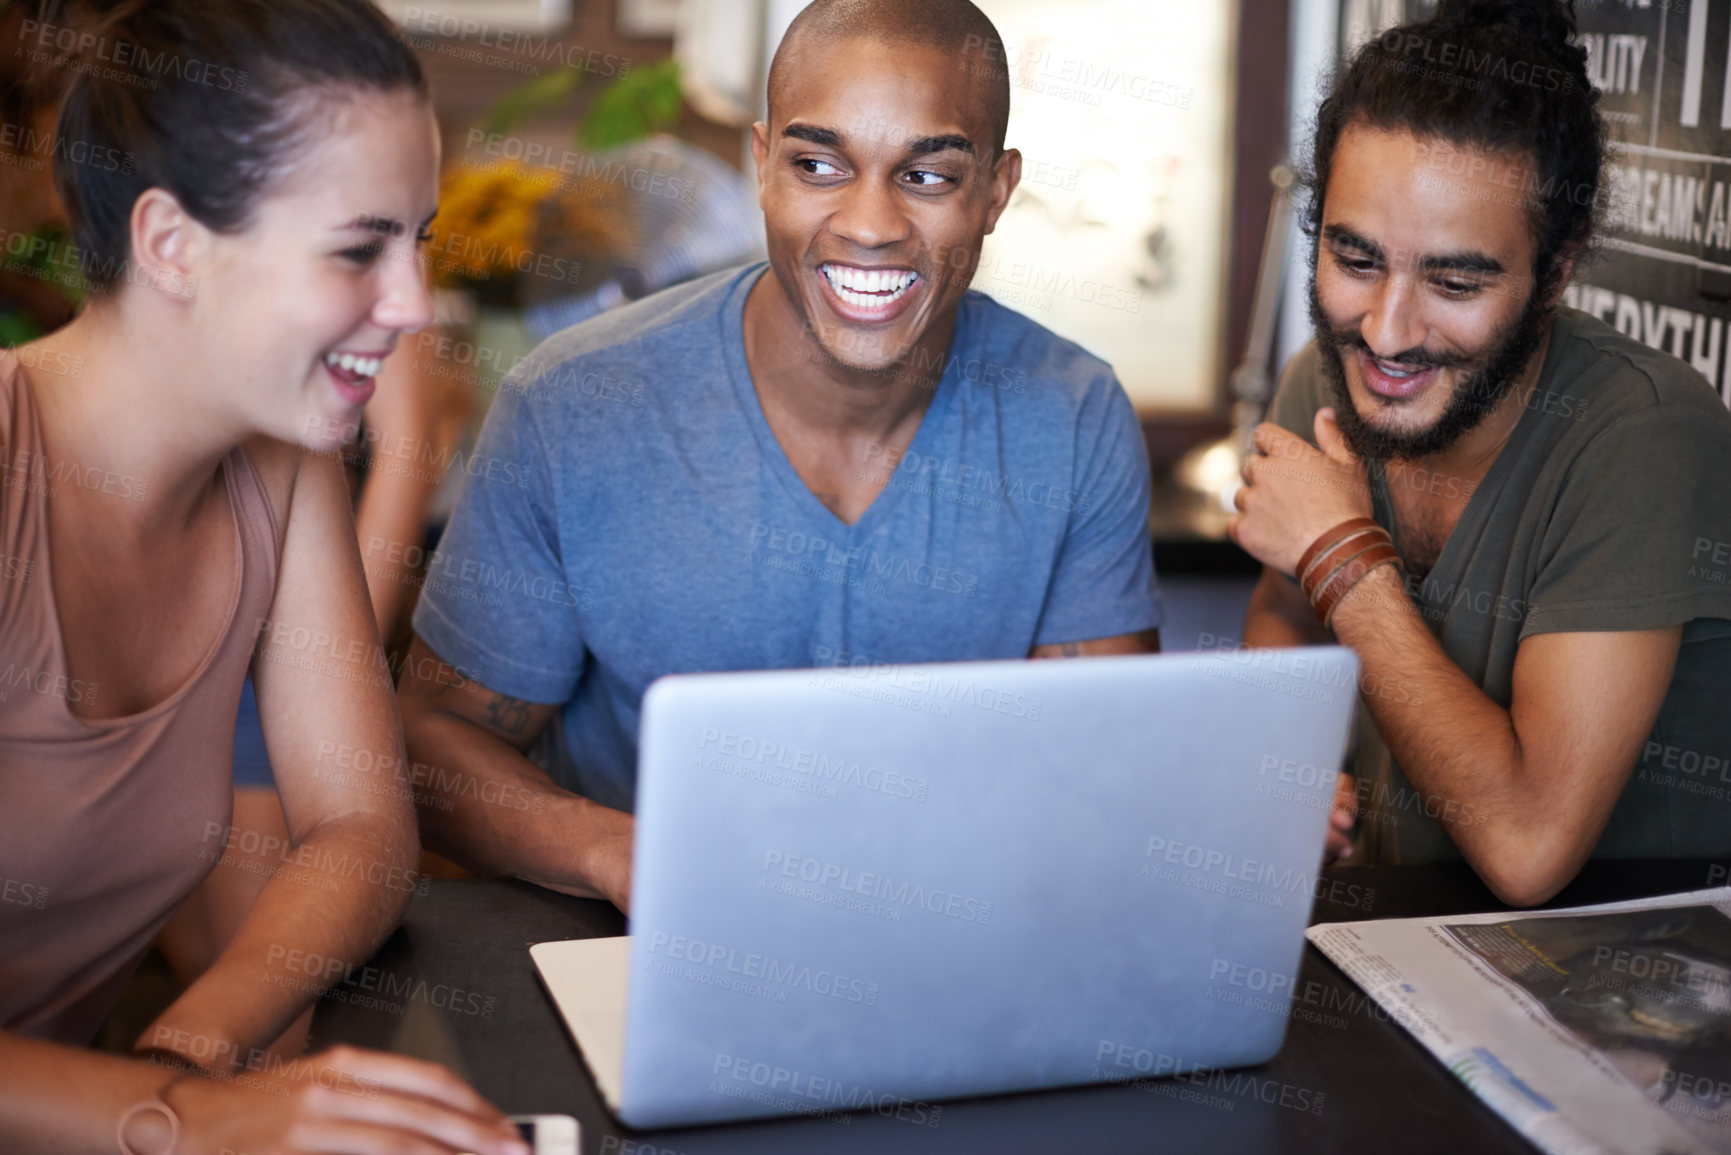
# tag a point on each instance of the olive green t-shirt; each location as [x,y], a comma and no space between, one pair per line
[1608,509]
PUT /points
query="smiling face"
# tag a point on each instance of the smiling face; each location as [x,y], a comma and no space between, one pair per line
[298,311]
[879,183]
[1422,295]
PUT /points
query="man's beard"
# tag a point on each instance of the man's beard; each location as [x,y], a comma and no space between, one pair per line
[1476,395]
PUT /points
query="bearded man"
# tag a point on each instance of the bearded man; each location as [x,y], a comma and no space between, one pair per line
[1516,516]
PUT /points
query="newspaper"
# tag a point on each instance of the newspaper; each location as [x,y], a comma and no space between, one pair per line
[1593,1029]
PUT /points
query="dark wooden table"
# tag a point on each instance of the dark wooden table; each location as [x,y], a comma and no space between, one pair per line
[455,984]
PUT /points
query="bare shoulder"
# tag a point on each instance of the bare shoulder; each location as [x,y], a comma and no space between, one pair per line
[279,465]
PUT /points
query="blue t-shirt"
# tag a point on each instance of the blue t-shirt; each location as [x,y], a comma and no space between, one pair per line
[629,514]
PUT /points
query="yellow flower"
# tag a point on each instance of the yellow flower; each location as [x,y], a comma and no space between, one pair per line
[486,221]
[493,219]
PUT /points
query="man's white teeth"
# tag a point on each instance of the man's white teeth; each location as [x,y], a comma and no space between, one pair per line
[348,362]
[1394,370]
[868,288]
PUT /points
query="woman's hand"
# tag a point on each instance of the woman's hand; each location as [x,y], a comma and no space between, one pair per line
[345,1101]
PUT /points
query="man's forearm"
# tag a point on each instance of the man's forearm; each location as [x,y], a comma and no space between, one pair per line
[1280,616]
[1269,630]
[1524,792]
[330,901]
[1457,747]
[486,806]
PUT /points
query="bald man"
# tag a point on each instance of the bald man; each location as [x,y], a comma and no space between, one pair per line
[852,460]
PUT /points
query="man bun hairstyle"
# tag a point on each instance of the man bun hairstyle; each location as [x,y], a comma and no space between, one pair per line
[1490,75]
[212,100]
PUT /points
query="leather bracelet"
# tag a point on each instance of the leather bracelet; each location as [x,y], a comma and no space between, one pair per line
[157,1102]
[1329,608]
[1330,538]
[1335,556]
[1325,570]
[1349,575]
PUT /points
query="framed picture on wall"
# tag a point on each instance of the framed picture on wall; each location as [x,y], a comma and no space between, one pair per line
[1118,235]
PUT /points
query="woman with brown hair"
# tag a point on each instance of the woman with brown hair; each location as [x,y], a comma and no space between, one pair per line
[252,258]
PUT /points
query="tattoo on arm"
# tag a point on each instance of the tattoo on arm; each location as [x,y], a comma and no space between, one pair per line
[1069,649]
[508,715]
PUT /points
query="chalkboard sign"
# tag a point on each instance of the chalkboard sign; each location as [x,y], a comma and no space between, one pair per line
[1664,272]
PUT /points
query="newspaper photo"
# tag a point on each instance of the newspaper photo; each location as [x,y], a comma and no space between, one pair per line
[1594,1029]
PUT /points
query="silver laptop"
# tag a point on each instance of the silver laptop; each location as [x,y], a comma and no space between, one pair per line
[879,886]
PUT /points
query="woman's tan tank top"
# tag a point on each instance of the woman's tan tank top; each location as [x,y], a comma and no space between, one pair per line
[105,826]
